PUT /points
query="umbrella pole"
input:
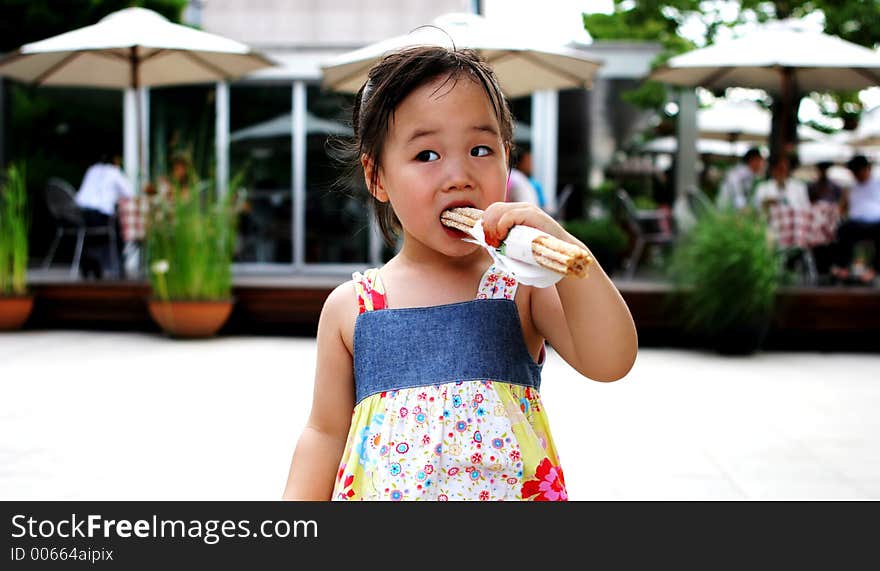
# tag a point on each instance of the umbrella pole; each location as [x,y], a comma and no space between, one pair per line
[138,114]
[785,112]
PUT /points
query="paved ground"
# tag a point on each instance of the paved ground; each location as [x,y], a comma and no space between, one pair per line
[91,415]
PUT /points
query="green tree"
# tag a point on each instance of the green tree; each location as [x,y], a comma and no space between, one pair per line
[31,20]
[857,21]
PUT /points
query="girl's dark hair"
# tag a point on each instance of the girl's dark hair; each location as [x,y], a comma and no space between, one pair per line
[389,82]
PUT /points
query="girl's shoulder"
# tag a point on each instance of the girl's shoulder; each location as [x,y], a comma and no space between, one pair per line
[340,311]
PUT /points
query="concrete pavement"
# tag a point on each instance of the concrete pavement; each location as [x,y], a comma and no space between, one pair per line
[131,416]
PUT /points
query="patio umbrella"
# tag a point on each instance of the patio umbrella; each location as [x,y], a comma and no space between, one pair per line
[131,48]
[867,134]
[705,146]
[782,58]
[521,67]
[281,126]
[734,121]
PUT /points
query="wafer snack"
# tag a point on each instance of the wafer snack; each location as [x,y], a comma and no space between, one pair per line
[548,252]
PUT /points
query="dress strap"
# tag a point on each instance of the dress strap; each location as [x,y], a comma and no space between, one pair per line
[370,290]
[497,284]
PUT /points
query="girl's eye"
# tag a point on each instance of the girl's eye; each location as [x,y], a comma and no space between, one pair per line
[427,156]
[481,151]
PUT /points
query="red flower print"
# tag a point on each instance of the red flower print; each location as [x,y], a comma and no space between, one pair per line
[514,455]
[509,282]
[340,472]
[347,492]
[476,458]
[426,439]
[423,396]
[548,484]
[492,278]
[478,397]
[484,496]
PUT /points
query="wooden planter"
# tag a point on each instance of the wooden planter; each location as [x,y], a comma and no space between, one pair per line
[14,311]
[190,319]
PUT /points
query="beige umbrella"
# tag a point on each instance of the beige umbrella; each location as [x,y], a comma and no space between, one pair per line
[781,58]
[521,67]
[132,48]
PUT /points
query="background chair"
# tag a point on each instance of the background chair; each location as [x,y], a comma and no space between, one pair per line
[69,220]
[648,227]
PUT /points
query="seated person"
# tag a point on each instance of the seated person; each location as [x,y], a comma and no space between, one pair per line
[102,186]
[862,221]
[736,188]
[824,190]
[780,187]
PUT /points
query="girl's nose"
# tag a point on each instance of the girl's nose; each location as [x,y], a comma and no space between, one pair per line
[458,175]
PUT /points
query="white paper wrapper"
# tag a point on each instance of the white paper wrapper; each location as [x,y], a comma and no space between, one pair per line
[517,258]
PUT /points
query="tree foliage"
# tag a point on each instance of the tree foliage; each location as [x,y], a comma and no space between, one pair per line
[857,21]
[26,21]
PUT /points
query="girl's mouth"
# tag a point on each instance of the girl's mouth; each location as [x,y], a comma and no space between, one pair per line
[455,233]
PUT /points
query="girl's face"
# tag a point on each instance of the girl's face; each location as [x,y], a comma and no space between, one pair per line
[443,149]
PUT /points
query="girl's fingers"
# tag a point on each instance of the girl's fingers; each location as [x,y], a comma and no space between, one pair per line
[500,217]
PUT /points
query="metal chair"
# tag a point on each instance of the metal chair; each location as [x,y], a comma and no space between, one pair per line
[61,202]
[647,228]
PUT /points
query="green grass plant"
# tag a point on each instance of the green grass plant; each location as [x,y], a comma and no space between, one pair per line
[191,237]
[726,272]
[14,225]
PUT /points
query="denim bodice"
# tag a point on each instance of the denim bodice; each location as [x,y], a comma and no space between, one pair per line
[408,347]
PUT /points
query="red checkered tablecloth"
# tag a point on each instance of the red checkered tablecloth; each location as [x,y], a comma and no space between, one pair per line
[804,228]
[133,217]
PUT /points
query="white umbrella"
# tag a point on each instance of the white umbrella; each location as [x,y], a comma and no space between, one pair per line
[868,132]
[734,120]
[779,57]
[716,147]
[281,126]
[522,67]
[132,48]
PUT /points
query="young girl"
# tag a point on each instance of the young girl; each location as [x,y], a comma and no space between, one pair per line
[428,368]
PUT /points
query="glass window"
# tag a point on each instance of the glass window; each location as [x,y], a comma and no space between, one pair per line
[182,119]
[337,215]
[260,152]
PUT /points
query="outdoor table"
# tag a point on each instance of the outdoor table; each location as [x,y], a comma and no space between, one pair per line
[798,230]
[133,217]
[804,228]
[132,214]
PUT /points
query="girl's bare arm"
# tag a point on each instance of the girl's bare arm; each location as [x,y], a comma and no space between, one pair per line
[586,320]
[322,442]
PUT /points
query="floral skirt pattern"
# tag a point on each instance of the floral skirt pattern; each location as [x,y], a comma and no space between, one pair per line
[470,440]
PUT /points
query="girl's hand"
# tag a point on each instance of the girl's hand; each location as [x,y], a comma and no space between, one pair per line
[500,217]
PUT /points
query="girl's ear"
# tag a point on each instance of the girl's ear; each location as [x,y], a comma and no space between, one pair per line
[377,190]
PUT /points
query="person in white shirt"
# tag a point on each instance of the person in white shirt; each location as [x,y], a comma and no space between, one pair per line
[862,203]
[736,189]
[781,187]
[103,184]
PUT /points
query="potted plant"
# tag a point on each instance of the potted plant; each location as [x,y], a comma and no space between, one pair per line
[726,273]
[190,239]
[16,302]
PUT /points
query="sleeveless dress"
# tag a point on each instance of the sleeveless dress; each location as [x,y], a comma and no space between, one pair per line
[447,403]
